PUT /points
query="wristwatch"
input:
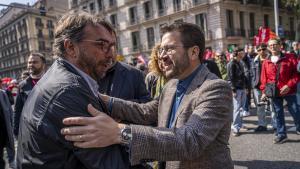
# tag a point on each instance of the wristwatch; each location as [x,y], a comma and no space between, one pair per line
[126,135]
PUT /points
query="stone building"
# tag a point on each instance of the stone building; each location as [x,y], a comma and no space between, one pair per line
[25,29]
[225,22]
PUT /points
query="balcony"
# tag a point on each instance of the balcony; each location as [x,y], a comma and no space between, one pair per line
[134,21]
[39,24]
[290,35]
[148,16]
[252,33]
[161,12]
[128,1]
[235,32]
[177,7]
[199,2]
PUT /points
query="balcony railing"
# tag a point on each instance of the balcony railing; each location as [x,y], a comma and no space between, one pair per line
[134,21]
[235,32]
[252,33]
[208,35]
[148,16]
[161,12]
[199,2]
[177,7]
[39,24]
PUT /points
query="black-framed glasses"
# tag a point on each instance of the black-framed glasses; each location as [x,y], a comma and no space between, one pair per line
[261,49]
[169,49]
[104,45]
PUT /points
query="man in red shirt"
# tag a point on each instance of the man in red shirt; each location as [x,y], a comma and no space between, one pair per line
[286,86]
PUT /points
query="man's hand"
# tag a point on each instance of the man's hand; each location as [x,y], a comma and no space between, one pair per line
[263,97]
[97,131]
[284,90]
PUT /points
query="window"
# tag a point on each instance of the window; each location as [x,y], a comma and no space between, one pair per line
[201,21]
[42,45]
[40,33]
[135,37]
[112,3]
[292,24]
[280,20]
[51,34]
[161,7]
[50,24]
[229,19]
[252,31]
[266,20]
[177,5]
[133,15]
[92,7]
[74,3]
[242,24]
[114,20]
[150,37]
[148,10]
[38,22]
[178,21]
[100,5]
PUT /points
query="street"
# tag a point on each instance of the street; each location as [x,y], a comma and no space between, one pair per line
[256,150]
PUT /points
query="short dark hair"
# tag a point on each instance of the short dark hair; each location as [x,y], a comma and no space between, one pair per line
[40,55]
[71,26]
[190,34]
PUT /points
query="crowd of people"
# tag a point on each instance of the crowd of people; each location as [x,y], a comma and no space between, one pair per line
[89,110]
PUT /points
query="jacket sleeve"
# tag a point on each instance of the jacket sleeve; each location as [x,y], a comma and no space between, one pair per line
[263,76]
[145,113]
[231,75]
[17,111]
[295,76]
[212,112]
[72,102]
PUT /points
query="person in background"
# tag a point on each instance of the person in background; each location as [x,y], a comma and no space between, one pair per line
[256,65]
[221,62]
[113,83]
[155,79]
[296,48]
[193,112]
[286,87]
[237,79]
[36,65]
[247,59]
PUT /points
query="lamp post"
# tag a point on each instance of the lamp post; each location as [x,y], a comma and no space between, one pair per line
[276,16]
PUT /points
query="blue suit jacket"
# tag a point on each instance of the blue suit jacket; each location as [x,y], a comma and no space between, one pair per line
[128,83]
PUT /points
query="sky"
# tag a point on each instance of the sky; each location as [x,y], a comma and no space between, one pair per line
[6,2]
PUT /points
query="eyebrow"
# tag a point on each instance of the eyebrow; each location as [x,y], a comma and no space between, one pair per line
[100,39]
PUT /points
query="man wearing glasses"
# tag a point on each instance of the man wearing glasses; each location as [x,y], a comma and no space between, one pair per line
[84,46]
[193,112]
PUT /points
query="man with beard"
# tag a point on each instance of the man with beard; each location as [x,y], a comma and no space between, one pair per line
[36,65]
[193,112]
[83,46]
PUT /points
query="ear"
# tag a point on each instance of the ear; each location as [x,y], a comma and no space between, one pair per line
[193,53]
[69,48]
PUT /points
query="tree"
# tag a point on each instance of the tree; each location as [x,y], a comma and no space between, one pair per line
[295,5]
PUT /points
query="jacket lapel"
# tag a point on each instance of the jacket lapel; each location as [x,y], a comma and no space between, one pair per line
[166,103]
[191,90]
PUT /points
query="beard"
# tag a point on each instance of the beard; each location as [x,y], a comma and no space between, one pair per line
[35,71]
[179,66]
[90,65]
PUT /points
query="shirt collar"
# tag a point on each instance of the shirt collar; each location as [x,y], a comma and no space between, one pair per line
[186,82]
[90,81]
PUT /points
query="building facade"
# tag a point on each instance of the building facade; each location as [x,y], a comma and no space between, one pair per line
[224,22]
[25,29]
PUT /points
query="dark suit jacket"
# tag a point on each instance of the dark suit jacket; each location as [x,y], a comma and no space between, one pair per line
[201,129]
[7,113]
[127,83]
[61,93]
